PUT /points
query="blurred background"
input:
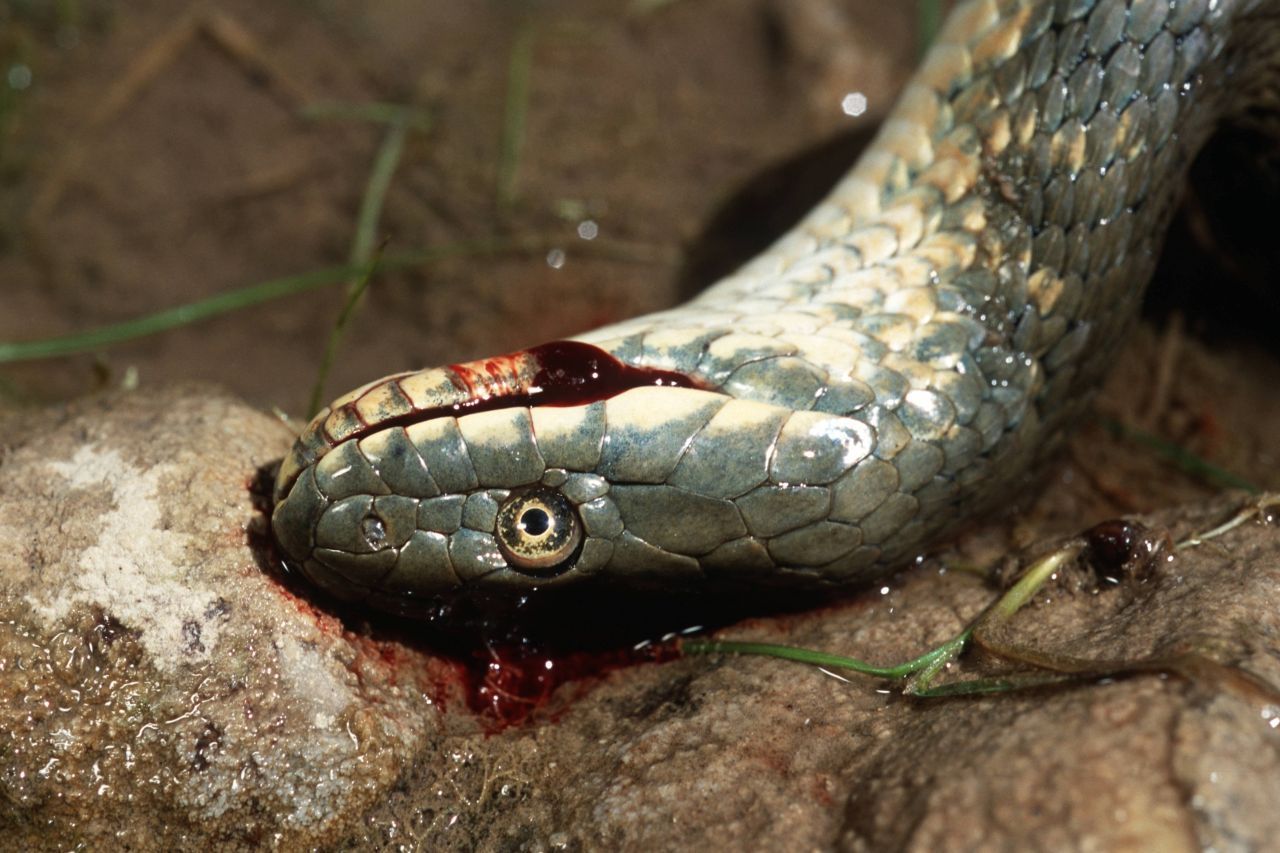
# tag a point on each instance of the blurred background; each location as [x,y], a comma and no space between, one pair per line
[561,158]
[522,171]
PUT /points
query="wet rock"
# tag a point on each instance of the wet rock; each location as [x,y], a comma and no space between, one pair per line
[158,688]
[162,685]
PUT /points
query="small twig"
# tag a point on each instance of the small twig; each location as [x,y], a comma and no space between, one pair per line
[239,43]
[223,31]
[1166,364]
[265,182]
[152,60]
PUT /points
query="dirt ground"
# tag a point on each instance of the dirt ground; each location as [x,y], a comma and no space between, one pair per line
[155,153]
[162,153]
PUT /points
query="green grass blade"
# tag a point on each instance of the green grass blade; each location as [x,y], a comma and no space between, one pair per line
[929,15]
[515,113]
[375,191]
[370,214]
[1182,458]
[247,297]
[354,293]
[373,112]
[172,318]
[818,658]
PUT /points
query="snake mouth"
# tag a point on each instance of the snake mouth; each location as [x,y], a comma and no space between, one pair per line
[560,374]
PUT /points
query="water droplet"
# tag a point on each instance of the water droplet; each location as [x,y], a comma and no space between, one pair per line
[588,229]
[854,104]
[555,258]
[19,76]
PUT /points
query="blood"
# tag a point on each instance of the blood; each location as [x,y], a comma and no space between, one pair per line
[509,684]
[1118,548]
[561,373]
[574,374]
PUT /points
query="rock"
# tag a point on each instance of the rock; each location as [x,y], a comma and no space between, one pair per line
[157,686]
[163,685]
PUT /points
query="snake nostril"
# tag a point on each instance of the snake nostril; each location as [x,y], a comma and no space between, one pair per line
[374,531]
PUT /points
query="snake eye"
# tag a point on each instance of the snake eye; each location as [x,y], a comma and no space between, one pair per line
[538,530]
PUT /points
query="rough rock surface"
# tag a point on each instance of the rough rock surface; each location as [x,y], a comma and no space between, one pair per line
[160,686]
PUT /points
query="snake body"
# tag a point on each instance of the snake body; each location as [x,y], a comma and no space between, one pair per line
[894,364]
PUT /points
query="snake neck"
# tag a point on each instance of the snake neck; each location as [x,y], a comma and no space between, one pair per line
[1003,224]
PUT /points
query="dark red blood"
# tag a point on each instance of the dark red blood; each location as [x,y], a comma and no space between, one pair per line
[1118,548]
[574,374]
[1112,543]
[562,373]
[510,684]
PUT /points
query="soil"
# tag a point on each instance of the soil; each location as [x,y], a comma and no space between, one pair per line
[162,154]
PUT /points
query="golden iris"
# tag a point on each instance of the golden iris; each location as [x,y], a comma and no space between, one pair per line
[538,530]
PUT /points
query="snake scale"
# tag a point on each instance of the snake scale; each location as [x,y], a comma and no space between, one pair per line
[893,365]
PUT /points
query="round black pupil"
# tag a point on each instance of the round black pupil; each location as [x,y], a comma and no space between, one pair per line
[535,521]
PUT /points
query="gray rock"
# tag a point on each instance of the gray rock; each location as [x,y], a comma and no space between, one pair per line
[158,688]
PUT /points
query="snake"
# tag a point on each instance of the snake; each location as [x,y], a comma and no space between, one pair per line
[895,364]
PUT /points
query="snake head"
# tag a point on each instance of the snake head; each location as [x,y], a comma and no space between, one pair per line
[534,470]
[506,500]
[653,487]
